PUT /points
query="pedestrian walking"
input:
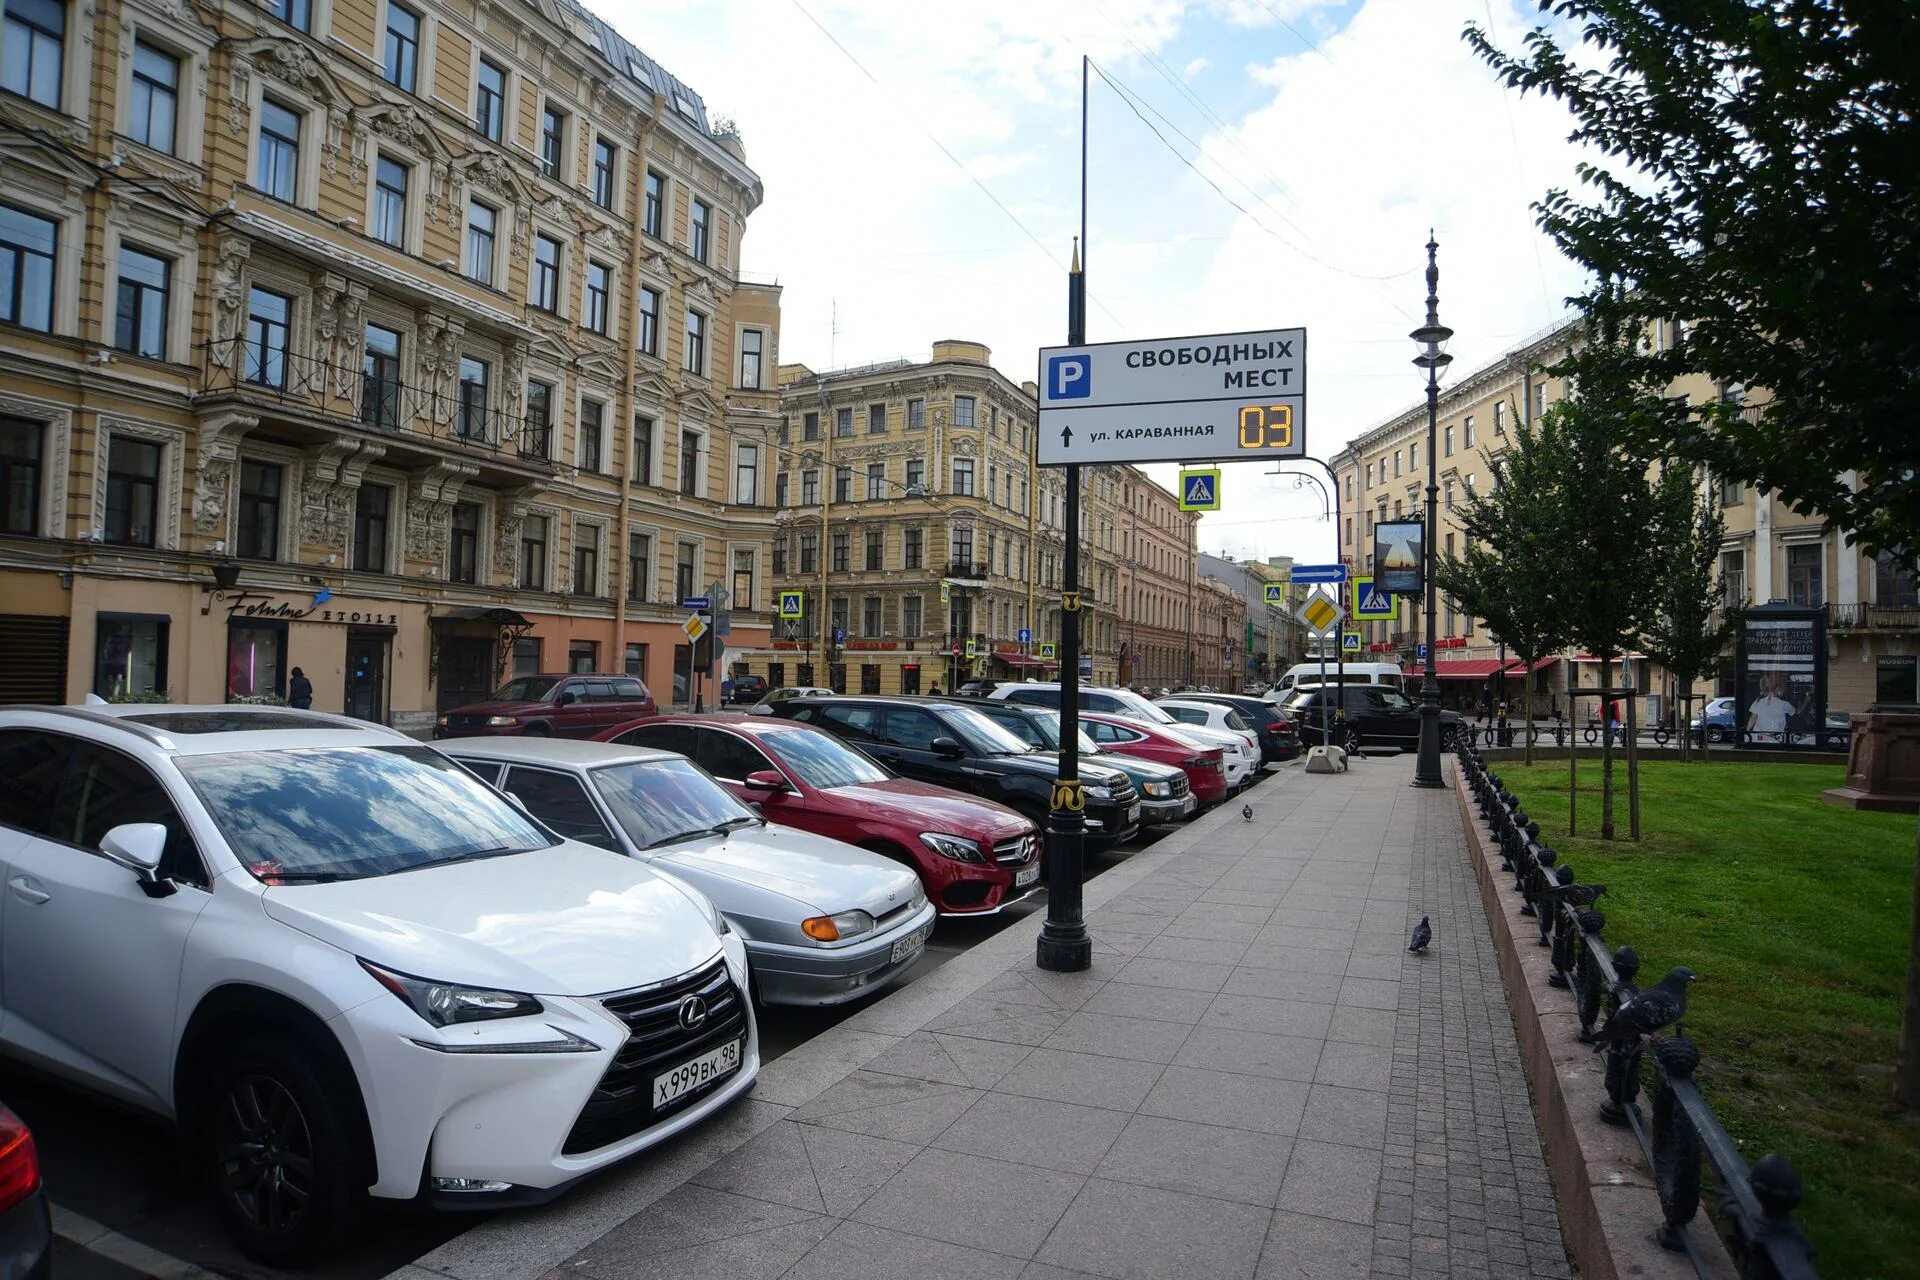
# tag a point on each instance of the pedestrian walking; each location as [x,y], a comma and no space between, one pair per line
[300,691]
[933,691]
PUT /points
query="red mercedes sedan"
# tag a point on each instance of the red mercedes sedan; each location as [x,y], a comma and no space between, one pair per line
[973,855]
[1205,766]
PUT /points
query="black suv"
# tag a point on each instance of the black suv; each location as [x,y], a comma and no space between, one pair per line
[748,689]
[952,745]
[1278,738]
[1374,716]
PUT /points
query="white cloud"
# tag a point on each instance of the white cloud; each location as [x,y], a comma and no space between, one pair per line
[1194,68]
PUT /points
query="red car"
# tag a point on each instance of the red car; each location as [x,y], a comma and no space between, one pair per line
[973,855]
[554,706]
[1205,766]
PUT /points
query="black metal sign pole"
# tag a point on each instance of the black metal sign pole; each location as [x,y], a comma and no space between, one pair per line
[1063,944]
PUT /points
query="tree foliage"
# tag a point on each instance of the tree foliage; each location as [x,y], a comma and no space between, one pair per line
[1688,630]
[1759,180]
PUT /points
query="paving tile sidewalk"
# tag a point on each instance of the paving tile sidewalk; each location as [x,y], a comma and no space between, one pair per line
[1254,1079]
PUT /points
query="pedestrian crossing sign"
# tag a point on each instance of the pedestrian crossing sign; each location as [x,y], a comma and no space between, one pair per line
[1200,489]
[793,604]
[1349,642]
[1277,593]
[1372,605]
[1046,649]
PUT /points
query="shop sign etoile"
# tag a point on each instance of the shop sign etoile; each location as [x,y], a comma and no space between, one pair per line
[254,605]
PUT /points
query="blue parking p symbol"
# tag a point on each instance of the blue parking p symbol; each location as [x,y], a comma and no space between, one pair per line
[1069,377]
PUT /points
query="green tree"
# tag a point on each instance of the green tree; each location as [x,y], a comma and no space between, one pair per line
[1761,182]
[1688,629]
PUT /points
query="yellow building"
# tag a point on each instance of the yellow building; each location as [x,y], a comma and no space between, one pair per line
[400,341]
[921,538]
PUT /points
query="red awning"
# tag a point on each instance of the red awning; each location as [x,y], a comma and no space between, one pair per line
[1465,669]
[1516,668]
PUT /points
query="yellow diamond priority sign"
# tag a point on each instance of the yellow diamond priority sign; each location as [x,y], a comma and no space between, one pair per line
[695,626]
[1321,614]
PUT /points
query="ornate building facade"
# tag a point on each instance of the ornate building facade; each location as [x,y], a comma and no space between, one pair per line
[399,341]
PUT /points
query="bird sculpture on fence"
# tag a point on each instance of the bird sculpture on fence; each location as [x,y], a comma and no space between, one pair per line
[1648,1011]
[1246,811]
[1579,895]
[1422,937]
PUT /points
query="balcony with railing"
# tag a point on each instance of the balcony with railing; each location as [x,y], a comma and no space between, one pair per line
[462,418]
[966,570]
[1873,617]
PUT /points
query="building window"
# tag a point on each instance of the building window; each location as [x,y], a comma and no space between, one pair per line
[533,553]
[1893,583]
[463,545]
[372,504]
[916,475]
[526,656]
[910,549]
[483,225]
[133,489]
[599,289]
[637,661]
[546,273]
[154,111]
[742,597]
[259,534]
[843,484]
[390,202]
[268,314]
[686,570]
[639,566]
[380,378]
[1466,433]
[696,343]
[876,481]
[642,450]
[842,552]
[471,421]
[279,163]
[842,424]
[910,618]
[256,660]
[810,426]
[490,100]
[780,554]
[583,657]
[1732,492]
[752,354]
[586,560]
[36,47]
[963,411]
[649,338]
[1804,564]
[593,416]
[1448,500]
[130,655]
[875,549]
[140,316]
[870,626]
[916,414]
[27,244]
[539,422]
[963,477]
[553,140]
[962,548]
[20,470]
[606,160]
[656,204]
[746,475]
[809,553]
[402,67]
[690,443]
[295,13]
[809,488]
[1499,417]
[780,490]
[1733,576]
[876,419]
[700,229]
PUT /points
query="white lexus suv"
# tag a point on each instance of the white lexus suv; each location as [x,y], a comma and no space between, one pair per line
[345,966]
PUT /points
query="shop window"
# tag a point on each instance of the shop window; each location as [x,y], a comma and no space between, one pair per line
[869,677]
[130,658]
[583,656]
[256,662]
[637,660]
[910,679]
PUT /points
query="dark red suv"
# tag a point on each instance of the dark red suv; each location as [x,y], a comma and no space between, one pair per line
[562,706]
[973,855]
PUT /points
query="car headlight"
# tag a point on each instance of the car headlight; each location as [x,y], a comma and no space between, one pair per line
[440,723]
[1158,790]
[959,848]
[502,722]
[837,928]
[445,1003]
[1099,793]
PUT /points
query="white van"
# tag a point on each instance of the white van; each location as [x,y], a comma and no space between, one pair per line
[1307,674]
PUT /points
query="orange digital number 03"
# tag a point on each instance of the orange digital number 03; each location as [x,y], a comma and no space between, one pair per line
[1269,427]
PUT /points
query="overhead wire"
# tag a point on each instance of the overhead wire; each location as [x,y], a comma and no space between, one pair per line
[1520,171]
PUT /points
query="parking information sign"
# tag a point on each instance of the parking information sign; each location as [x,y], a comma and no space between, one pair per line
[1224,397]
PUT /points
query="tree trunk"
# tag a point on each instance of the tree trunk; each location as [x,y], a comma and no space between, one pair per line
[1606,749]
[1685,721]
[1906,1077]
[1526,709]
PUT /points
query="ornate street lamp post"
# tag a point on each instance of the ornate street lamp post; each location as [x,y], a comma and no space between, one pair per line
[1430,336]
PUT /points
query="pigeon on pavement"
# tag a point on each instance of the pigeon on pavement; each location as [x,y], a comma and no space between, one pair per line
[1645,1012]
[1246,811]
[1422,935]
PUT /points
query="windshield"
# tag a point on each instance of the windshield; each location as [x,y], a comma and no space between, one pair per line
[344,813]
[1393,701]
[982,734]
[526,689]
[660,802]
[821,760]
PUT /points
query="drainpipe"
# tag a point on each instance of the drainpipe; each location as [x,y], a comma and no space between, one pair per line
[829,478]
[636,195]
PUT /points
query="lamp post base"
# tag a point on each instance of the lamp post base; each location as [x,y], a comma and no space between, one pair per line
[1426,766]
[1068,951]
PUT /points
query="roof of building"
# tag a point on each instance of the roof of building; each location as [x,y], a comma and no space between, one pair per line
[641,69]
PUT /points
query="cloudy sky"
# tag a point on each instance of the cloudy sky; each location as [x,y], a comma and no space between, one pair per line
[1261,163]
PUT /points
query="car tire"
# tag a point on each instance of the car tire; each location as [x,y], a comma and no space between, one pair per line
[270,1108]
[1716,734]
[1350,740]
[1446,737]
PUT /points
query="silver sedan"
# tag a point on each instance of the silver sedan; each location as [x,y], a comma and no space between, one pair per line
[823,922]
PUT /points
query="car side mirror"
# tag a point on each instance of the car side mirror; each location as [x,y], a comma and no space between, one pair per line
[768,781]
[565,699]
[138,846]
[947,748]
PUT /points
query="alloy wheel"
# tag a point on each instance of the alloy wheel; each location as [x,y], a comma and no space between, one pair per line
[265,1153]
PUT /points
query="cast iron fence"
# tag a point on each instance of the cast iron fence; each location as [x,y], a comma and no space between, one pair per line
[1756,1202]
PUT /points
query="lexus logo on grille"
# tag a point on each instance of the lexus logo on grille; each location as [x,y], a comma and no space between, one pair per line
[693,1012]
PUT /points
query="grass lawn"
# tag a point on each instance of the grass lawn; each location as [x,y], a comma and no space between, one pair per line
[1794,913]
